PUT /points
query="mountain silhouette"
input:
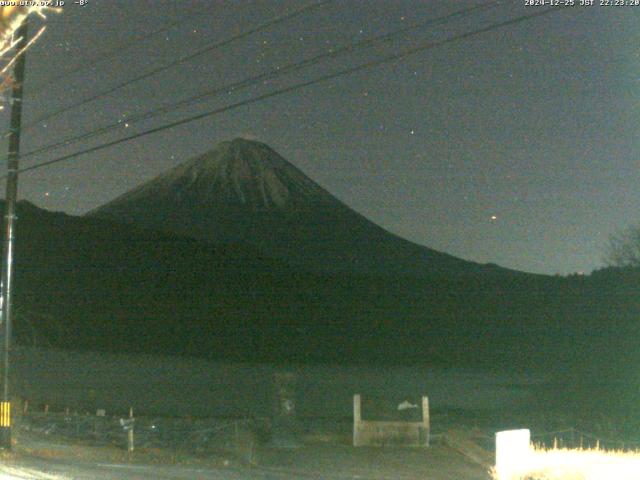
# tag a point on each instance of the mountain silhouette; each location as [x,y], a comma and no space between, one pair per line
[95,284]
[244,192]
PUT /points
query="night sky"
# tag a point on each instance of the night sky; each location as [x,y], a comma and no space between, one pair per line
[518,146]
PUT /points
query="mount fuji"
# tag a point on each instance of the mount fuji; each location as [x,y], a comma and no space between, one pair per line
[243,192]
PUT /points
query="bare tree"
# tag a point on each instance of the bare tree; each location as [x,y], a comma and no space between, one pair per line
[623,249]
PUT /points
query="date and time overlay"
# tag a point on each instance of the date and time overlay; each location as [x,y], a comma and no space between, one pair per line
[582,3]
[527,3]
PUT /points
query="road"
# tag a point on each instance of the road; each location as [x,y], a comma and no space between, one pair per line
[36,458]
[41,469]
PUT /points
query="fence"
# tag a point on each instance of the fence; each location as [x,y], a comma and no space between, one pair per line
[196,436]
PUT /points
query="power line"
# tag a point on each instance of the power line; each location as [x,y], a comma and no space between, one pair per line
[177,62]
[280,71]
[348,71]
[118,50]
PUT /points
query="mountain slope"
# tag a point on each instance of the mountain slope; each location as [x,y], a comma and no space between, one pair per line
[244,192]
[94,284]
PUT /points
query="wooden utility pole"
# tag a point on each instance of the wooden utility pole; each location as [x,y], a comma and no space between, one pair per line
[11,196]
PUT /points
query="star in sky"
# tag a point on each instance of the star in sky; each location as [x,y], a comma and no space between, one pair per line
[502,101]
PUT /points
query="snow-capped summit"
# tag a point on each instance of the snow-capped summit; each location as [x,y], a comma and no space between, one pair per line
[240,172]
[245,192]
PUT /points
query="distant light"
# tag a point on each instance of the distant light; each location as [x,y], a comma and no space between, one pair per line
[494,217]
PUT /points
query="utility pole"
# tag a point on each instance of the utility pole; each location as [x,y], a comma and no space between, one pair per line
[11,196]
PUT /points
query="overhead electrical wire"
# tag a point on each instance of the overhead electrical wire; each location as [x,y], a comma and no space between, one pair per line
[298,86]
[119,49]
[274,73]
[179,61]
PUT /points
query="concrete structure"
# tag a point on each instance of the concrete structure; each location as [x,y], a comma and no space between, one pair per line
[380,433]
[513,453]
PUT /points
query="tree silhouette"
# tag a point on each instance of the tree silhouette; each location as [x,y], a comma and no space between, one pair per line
[623,249]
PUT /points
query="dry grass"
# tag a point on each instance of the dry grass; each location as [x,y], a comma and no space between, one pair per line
[573,464]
